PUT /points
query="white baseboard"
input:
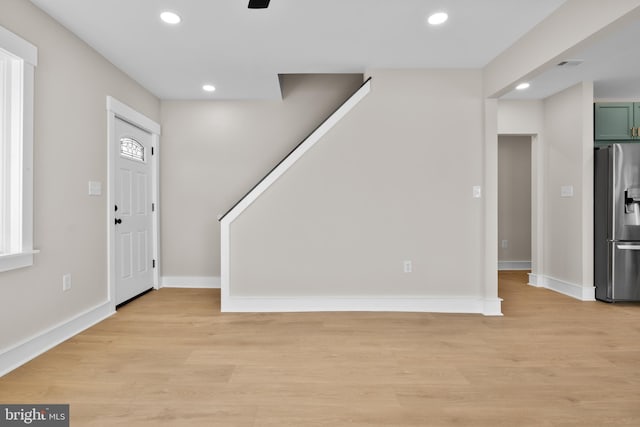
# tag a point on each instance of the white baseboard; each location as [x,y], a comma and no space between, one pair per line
[209,282]
[582,293]
[31,348]
[492,307]
[514,265]
[487,307]
[533,280]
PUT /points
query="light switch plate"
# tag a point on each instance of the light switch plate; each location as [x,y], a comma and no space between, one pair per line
[566,191]
[95,188]
[477,191]
[66,282]
[408,266]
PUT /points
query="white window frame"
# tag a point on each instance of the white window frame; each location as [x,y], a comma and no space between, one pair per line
[18,59]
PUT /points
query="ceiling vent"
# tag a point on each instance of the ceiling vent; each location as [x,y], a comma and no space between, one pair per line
[258,4]
[571,63]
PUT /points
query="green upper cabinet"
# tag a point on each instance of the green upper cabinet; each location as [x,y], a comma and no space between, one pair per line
[614,121]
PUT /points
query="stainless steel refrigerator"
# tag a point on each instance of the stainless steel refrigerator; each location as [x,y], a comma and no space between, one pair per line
[617,222]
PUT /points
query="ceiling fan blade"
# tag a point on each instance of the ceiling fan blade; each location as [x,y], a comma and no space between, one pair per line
[258,4]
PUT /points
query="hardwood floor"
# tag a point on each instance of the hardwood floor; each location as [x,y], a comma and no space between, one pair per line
[172,359]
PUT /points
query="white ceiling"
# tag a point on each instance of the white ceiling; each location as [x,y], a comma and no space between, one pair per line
[612,63]
[242,51]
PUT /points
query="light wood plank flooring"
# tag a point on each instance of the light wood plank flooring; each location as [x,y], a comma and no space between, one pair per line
[171,359]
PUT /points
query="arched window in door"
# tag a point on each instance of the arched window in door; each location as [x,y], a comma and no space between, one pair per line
[131,149]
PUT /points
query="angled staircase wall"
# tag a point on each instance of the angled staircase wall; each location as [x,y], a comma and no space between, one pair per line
[391,182]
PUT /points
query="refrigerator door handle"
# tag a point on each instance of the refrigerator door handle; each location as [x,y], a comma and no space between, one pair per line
[629,247]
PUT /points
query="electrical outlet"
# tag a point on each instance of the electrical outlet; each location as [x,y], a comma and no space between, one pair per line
[505,244]
[408,267]
[66,282]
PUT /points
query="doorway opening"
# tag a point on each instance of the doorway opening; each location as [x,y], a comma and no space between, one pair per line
[514,202]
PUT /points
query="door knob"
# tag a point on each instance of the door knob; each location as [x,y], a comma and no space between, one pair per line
[118,221]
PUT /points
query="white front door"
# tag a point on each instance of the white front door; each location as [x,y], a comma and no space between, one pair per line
[133,212]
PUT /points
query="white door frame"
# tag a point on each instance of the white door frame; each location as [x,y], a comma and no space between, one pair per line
[117,109]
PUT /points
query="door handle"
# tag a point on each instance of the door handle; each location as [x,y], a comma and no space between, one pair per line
[118,221]
[629,247]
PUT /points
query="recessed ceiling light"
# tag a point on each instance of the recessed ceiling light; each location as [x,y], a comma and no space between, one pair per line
[438,18]
[208,88]
[170,17]
[523,86]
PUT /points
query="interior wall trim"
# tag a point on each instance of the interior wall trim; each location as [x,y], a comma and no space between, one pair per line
[19,354]
[206,282]
[579,292]
[514,265]
[487,307]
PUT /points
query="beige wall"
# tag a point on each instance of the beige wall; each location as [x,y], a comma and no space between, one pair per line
[391,182]
[520,117]
[214,152]
[71,85]
[514,197]
[568,239]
